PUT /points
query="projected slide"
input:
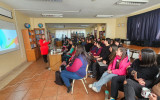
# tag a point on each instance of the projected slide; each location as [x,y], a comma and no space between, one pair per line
[8,37]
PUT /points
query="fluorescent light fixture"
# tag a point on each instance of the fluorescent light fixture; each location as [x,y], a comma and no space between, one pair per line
[131,2]
[52,15]
[104,16]
[85,25]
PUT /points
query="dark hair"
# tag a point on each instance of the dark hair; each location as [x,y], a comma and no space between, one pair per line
[113,53]
[148,57]
[81,51]
[109,40]
[99,43]
[124,55]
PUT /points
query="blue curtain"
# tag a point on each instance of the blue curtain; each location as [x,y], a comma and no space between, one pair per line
[144,27]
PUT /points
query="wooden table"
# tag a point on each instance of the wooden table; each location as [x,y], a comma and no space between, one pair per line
[55,61]
[139,48]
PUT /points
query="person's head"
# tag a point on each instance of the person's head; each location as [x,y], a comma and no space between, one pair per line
[89,41]
[121,52]
[112,49]
[102,40]
[98,39]
[107,41]
[82,39]
[147,57]
[111,41]
[99,44]
[81,51]
[43,37]
[95,43]
[70,42]
[117,42]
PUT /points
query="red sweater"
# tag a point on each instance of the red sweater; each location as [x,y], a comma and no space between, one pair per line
[98,53]
[43,47]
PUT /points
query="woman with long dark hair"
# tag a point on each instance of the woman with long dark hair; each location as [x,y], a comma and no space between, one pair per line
[117,67]
[102,69]
[141,73]
[77,68]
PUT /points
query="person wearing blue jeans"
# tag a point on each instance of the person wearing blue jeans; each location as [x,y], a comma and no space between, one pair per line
[66,76]
[106,77]
[117,67]
[76,68]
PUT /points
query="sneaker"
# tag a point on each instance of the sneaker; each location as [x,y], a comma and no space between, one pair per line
[89,71]
[91,76]
[94,89]
[90,85]
[49,68]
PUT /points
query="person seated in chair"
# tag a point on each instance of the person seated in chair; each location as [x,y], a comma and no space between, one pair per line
[117,67]
[77,68]
[141,73]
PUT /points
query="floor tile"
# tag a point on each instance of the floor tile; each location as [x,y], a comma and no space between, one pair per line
[17,95]
[65,97]
[49,92]
[4,96]
[23,86]
[33,94]
[48,98]
[38,85]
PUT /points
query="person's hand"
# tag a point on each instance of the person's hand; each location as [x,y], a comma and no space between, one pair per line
[152,96]
[109,71]
[141,81]
[44,41]
[128,66]
[104,62]
[67,66]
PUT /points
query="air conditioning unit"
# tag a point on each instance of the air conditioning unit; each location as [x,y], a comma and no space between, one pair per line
[132,2]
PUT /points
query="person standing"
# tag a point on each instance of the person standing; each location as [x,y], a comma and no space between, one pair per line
[44,48]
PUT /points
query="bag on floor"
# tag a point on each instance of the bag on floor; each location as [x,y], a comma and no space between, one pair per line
[58,79]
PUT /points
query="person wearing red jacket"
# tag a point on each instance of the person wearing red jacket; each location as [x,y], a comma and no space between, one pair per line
[44,48]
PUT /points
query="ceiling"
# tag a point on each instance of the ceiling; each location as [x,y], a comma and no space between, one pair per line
[74,8]
[70,25]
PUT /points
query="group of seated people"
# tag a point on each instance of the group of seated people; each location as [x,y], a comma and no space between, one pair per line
[115,67]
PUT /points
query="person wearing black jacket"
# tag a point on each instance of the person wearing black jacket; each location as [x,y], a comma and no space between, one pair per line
[88,46]
[103,55]
[141,73]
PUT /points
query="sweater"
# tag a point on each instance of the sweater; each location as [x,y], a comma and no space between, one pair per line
[79,66]
[98,52]
[44,47]
[88,47]
[122,66]
[105,52]
[146,73]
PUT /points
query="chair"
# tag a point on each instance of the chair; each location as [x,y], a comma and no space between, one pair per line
[83,80]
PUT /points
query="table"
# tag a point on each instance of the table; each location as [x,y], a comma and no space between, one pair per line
[55,61]
[139,48]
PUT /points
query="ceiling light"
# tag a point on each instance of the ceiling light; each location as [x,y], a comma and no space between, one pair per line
[85,25]
[52,15]
[131,2]
[104,16]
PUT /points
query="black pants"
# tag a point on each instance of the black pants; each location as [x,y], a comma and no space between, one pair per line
[94,67]
[117,84]
[132,89]
[100,71]
[45,58]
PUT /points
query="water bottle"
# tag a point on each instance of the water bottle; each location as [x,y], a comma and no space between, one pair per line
[106,94]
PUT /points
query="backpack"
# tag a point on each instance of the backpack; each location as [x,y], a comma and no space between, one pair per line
[58,79]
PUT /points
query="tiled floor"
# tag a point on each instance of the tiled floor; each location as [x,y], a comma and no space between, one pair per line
[37,83]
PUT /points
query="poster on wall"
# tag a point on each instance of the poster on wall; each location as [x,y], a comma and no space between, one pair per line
[8,37]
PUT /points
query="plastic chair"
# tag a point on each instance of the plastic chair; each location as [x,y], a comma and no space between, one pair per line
[83,80]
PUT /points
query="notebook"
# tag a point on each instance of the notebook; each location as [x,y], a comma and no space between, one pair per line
[101,64]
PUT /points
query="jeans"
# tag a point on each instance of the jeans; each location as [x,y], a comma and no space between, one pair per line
[117,84]
[106,77]
[66,76]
